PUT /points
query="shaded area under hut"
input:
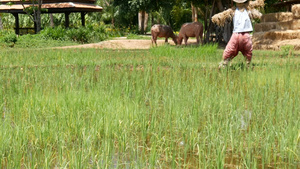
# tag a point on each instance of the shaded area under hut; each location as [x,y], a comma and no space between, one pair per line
[16,7]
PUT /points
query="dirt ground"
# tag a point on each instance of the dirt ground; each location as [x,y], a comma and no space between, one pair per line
[124,43]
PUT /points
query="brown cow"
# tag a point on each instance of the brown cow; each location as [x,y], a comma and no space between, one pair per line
[158,30]
[194,29]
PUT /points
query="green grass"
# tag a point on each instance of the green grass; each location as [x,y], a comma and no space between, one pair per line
[165,107]
[33,42]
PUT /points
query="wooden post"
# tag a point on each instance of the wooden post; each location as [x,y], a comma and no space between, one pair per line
[67,22]
[83,18]
[17,23]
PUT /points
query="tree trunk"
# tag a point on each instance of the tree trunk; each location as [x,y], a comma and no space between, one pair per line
[38,21]
[37,17]
[210,25]
[113,17]
[143,20]
[152,19]
[206,17]
[51,20]
[1,24]
[194,13]
[220,5]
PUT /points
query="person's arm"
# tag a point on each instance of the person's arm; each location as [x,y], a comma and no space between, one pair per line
[254,14]
[253,9]
[220,18]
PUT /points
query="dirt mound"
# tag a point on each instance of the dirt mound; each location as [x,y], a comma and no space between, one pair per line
[124,43]
[120,43]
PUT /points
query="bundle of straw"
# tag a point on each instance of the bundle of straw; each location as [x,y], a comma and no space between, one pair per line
[228,14]
[256,4]
[296,11]
[221,17]
[254,14]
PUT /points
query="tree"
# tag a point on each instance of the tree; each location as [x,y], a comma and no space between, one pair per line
[126,16]
[143,7]
[34,11]
[110,10]
[131,8]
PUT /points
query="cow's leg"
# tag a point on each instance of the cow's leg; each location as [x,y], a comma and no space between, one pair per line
[166,40]
[197,38]
[154,40]
[201,37]
[186,39]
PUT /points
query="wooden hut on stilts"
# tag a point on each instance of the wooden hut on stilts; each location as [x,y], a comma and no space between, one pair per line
[16,7]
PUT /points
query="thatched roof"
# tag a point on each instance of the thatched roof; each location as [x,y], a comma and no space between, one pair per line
[52,6]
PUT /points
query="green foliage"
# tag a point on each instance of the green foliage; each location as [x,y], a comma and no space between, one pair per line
[10,3]
[57,33]
[287,51]
[40,41]
[269,6]
[106,18]
[57,36]
[124,13]
[10,38]
[180,15]
[127,14]
[80,35]
[90,33]
[31,9]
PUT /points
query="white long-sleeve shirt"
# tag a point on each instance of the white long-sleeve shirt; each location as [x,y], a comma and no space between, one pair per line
[241,22]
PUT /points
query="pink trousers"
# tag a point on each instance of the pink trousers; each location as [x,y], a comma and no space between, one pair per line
[239,42]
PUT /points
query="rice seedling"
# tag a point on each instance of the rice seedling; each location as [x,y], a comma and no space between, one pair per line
[165,107]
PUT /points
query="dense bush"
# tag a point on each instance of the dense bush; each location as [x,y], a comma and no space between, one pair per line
[90,33]
[57,33]
[8,38]
[81,35]
[57,36]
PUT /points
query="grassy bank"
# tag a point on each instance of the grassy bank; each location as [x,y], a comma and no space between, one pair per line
[165,107]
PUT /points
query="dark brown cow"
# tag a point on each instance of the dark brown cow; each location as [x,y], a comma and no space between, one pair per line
[194,29]
[158,30]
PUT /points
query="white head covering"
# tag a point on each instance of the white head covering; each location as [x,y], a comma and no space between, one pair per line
[239,1]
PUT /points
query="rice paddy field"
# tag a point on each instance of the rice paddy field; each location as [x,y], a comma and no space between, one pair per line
[165,107]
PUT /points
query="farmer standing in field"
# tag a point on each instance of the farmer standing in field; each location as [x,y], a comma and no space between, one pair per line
[240,40]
